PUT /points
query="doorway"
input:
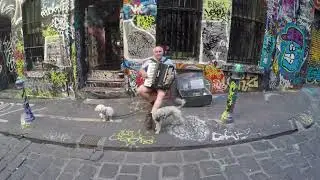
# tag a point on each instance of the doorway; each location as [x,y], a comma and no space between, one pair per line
[102,34]
[7,66]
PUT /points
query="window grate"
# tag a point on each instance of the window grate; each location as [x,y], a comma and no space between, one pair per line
[32,34]
[247,31]
[178,27]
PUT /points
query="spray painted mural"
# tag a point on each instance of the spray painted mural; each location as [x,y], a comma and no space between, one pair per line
[286,43]
[215,30]
[313,71]
[138,18]
[54,23]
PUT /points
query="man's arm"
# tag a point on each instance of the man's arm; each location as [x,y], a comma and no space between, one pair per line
[143,69]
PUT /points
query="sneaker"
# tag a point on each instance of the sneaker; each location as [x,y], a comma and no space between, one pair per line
[148,121]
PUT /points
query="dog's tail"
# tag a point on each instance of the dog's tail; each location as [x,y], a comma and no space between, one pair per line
[180,101]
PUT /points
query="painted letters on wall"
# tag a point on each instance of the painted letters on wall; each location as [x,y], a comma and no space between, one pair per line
[215,30]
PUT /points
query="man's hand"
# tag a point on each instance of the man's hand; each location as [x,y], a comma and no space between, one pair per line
[144,74]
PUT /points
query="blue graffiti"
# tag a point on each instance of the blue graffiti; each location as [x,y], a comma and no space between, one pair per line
[292,49]
[313,75]
[268,48]
[148,7]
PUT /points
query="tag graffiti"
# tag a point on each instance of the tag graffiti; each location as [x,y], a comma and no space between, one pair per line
[132,138]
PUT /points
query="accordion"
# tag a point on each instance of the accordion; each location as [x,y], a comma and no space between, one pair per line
[159,76]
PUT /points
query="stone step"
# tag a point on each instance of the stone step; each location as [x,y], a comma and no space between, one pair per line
[103,75]
[105,93]
[105,84]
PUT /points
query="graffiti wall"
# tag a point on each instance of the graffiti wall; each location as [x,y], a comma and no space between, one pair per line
[286,46]
[215,30]
[57,34]
[139,26]
[313,71]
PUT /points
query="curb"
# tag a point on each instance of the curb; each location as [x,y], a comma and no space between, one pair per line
[101,146]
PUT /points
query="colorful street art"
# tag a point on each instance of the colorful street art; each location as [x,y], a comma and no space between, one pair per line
[215,31]
[286,43]
[138,18]
[313,71]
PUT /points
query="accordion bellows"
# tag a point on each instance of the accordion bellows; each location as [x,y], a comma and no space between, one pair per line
[159,76]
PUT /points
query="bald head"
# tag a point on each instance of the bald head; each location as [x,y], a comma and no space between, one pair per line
[158,52]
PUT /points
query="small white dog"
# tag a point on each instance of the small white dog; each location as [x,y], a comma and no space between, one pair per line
[105,112]
[163,113]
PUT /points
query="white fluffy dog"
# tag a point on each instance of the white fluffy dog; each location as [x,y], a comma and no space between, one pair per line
[105,112]
[163,113]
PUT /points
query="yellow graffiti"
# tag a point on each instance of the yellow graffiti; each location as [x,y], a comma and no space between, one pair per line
[315,46]
[144,22]
[217,9]
[248,83]
[132,138]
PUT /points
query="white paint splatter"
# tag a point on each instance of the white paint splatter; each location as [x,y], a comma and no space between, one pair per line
[193,129]
[230,135]
[57,136]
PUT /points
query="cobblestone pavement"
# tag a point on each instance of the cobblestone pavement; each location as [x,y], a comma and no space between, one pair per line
[288,157]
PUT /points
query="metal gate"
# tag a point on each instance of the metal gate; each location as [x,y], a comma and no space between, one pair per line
[247,31]
[178,26]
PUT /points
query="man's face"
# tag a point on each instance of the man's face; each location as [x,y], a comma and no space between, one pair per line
[158,53]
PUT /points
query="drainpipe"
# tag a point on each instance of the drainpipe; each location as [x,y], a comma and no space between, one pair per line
[234,84]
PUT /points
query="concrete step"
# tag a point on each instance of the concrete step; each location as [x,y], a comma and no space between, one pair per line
[104,75]
[104,93]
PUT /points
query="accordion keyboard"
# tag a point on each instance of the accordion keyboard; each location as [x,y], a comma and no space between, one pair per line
[151,73]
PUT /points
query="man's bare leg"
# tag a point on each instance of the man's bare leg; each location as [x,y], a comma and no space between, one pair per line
[160,96]
[146,93]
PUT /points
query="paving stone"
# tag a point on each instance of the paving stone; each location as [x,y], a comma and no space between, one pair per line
[228,161]
[42,164]
[29,162]
[62,152]
[138,157]
[209,168]
[65,176]
[83,176]
[59,162]
[96,156]
[296,159]
[234,172]
[81,153]
[19,173]
[50,174]
[293,173]
[89,170]
[219,153]
[216,177]
[167,157]
[109,171]
[191,172]
[150,172]
[270,167]
[16,162]
[196,155]
[126,177]
[242,149]
[262,146]
[5,174]
[259,176]
[248,164]
[33,156]
[170,171]
[73,166]
[130,169]
[31,176]
[113,156]
[262,155]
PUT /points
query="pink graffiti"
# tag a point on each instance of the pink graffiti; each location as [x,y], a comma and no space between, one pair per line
[218,86]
